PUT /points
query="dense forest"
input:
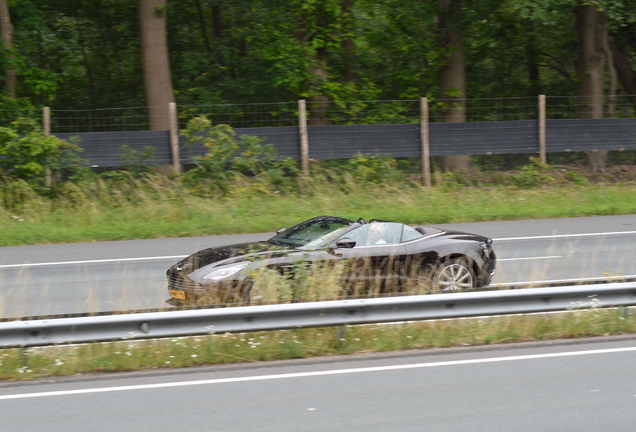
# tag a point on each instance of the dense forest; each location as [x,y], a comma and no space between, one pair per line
[89,54]
[81,54]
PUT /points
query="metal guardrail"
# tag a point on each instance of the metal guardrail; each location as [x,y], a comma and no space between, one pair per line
[562,282]
[318,314]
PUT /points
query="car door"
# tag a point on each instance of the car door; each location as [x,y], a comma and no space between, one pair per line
[371,267]
[422,257]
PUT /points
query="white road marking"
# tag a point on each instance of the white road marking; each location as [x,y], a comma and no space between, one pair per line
[313,374]
[170,257]
[92,261]
[529,258]
[183,256]
[565,236]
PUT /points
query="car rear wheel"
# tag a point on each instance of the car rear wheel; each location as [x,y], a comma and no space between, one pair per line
[453,275]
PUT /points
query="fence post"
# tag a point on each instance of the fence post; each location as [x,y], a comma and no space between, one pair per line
[304,139]
[542,148]
[174,137]
[46,129]
[426,155]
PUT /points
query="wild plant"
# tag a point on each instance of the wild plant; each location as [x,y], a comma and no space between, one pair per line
[36,158]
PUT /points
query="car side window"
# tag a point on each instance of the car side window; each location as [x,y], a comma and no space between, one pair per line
[376,234]
[410,234]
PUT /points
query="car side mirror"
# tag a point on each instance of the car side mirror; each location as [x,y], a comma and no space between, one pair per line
[346,243]
[281,230]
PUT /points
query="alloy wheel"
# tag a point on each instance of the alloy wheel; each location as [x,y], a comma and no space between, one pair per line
[455,277]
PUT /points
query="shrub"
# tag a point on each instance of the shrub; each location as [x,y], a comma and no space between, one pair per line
[27,154]
[228,155]
[374,168]
[533,174]
[134,163]
[576,178]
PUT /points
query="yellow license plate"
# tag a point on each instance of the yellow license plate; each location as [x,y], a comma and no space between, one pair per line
[177,294]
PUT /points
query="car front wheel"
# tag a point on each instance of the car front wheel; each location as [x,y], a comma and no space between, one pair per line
[254,295]
[453,275]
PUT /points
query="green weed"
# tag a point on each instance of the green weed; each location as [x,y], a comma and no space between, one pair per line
[24,364]
[155,206]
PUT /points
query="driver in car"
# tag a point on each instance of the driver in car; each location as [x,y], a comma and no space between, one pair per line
[376,236]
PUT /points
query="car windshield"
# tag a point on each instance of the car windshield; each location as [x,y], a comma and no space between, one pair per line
[313,233]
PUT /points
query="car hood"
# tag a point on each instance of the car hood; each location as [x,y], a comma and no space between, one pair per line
[223,255]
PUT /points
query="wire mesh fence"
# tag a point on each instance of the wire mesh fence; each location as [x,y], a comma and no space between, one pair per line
[10,115]
[104,120]
[368,112]
[243,115]
[341,129]
[482,110]
[333,113]
[579,107]
[577,123]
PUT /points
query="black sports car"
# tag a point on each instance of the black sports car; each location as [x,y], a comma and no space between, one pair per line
[393,256]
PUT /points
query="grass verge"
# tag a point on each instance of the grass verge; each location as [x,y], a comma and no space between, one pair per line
[27,364]
[152,209]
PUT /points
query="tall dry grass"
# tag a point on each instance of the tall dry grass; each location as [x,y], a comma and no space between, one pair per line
[156,206]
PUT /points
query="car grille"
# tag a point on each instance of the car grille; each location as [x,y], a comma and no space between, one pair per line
[177,282]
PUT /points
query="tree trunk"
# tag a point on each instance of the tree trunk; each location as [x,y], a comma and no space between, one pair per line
[347,43]
[624,71]
[204,32]
[317,104]
[218,22]
[532,59]
[155,62]
[453,79]
[611,71]
[590,24]
[6,33]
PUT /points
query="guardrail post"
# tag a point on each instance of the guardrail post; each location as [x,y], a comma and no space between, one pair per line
[24,359]
[426,156]
[304,138]
[174,137]
[46,129]
[542,146]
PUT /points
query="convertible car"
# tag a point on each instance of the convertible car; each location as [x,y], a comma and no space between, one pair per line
[391,256]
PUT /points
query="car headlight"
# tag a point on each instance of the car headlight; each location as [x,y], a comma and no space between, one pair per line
[226,271]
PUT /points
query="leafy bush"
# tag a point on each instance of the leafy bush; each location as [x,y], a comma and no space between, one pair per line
[228,155]
[220,143]
[374,168]
[449,181]
[27,154]
[533,174]
[134,163]
[576,178]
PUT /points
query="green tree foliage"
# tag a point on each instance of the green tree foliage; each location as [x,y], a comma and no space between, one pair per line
[220,143]
[73,54]
[27,154]
[78,54]
[228,155]
[506,39]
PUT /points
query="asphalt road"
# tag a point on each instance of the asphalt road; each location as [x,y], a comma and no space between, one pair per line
[123,275]
[584,385]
